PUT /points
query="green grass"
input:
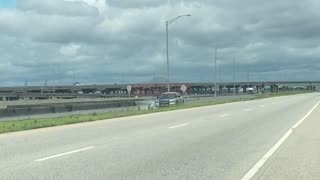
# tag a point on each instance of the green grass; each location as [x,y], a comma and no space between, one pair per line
[13,126]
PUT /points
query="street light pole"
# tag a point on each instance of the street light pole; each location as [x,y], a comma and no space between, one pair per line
[248,77]
[168,68]
[167,38]
[215,72]
[234,78]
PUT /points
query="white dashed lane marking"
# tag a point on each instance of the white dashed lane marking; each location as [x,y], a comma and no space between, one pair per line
[225,115]
[177,126]
[64,154]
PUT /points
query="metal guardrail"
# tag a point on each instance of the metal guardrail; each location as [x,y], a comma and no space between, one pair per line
[31,109]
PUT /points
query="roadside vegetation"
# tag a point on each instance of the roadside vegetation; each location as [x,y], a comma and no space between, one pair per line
[27,124]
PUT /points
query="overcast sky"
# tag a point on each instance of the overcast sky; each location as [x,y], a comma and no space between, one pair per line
[117,41]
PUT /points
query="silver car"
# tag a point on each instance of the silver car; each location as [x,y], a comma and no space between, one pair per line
[170,98]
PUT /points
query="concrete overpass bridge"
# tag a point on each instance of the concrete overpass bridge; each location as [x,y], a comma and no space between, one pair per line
[151,89]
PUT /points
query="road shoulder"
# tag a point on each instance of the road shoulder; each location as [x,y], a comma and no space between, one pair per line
[298,157]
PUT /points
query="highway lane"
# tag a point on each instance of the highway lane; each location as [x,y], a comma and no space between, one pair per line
[216,142]
[298,157]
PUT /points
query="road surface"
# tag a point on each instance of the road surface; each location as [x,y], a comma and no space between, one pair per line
[216,142]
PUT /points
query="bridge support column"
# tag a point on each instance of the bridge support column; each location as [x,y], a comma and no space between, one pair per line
[198,90]
[274,88]
[258,89]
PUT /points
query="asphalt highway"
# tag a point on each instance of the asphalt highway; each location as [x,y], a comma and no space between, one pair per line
[215,142]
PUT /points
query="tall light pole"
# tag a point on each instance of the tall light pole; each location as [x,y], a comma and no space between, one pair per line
[219,73]
[248,77]
[215,72]
[234,78]
[167,36]
[73,76]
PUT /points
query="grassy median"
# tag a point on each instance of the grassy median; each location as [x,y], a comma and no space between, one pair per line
[20,125]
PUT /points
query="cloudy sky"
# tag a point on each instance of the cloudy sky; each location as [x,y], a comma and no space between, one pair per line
[115,41]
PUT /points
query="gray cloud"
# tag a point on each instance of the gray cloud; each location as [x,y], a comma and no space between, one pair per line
[58,7]
[108,42]
[134,3]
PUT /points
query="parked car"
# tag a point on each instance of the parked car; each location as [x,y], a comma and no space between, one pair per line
[170,98]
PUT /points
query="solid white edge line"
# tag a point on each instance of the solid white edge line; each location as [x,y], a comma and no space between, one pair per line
[64,154]
[248,109]
[264,159]
[179,125]
[306,116]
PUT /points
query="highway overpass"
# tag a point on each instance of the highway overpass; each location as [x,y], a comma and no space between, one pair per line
[120,90]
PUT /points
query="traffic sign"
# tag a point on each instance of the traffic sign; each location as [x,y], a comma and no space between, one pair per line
[183,88]
[129,88]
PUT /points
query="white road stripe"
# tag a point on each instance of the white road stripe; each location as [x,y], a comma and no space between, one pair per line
[265,158]
[179,125]
[248,110]
[262,106]
[64,154]
[225,115]
[305,117]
